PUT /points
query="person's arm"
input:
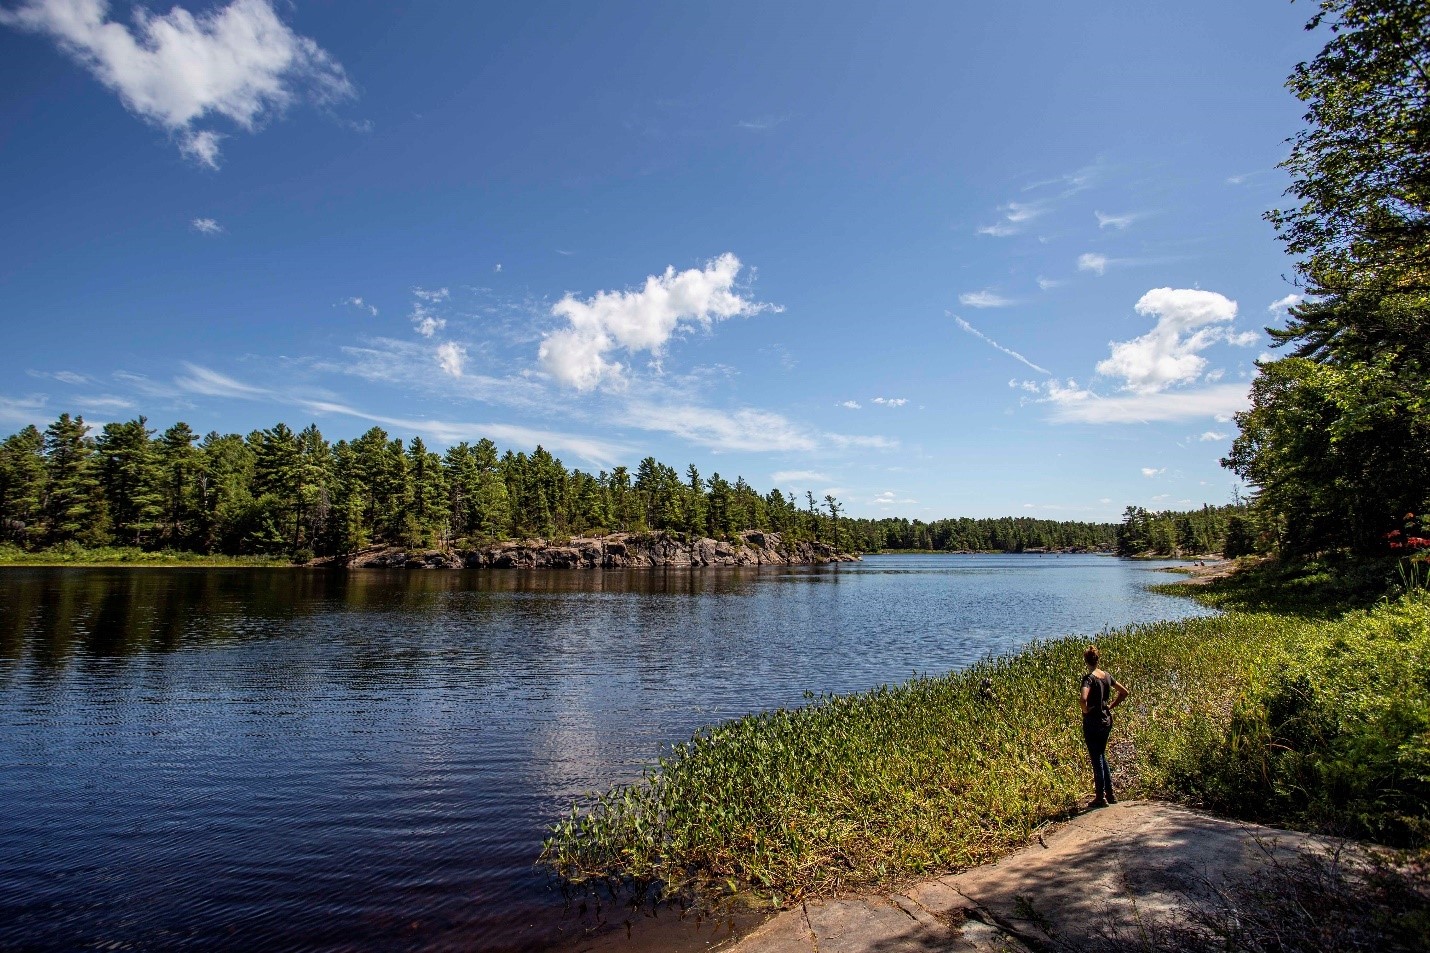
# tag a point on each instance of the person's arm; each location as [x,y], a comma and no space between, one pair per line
[1117,687]
[1084,696]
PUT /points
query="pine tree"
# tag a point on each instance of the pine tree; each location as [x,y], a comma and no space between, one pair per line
[74,505]
[22,486]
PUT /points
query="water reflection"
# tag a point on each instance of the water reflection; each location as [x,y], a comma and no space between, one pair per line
[311,760]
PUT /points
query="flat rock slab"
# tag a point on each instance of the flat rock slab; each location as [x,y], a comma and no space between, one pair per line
[1105,872]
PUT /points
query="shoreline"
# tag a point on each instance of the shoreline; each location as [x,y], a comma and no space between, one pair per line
[1152,758]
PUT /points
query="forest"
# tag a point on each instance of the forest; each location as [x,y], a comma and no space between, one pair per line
[293,493]
[281,492]
[1229,530]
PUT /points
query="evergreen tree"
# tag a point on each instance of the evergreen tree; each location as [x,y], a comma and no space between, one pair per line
[74,505]
[22,486]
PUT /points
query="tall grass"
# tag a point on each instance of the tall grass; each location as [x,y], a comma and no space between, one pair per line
[855,791]
[72,554]
[936,773]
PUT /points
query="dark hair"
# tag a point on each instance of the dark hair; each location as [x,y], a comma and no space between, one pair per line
[1091,656]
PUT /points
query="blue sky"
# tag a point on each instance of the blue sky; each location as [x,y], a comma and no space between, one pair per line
[1004,259]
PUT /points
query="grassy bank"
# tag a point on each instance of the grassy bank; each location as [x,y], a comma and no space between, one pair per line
[1318,719]
[73,555]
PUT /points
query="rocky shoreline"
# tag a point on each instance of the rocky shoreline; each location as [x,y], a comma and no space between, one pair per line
[616,551]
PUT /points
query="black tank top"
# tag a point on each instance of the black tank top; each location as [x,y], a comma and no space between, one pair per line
[1099,693]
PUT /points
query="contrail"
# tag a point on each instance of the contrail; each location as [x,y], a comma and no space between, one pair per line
[1009,351]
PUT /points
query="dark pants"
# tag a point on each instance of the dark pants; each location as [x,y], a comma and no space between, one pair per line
[1096,738]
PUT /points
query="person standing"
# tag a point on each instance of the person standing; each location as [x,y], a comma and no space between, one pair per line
[1100,694]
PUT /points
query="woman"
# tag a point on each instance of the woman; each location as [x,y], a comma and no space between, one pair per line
[1098,700]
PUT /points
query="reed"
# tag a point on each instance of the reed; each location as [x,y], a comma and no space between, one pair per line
[936,773]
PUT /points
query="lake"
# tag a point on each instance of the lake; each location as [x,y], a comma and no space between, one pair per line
[300,759]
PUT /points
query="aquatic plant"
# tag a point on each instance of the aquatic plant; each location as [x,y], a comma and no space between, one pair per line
[936,773]
[945,772]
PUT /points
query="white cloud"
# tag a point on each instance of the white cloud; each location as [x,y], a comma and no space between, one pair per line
[1073,404]
[1153,471]
[891,401]
[1169,354]
[104,402]
[210,383]
[890,498]
[1046,283]
[1093,262]
[70,377]
[1284,304]
[497,268]
[745,429]
[1115,221]
[424,320]
[984,299]
[1211,435]
[362,305]
[1009,351]
[1015,215]
[859,442]
[240,62]
[450,357]
[23,410]
[798,476]
[206,226]
[643,320]
[851,404]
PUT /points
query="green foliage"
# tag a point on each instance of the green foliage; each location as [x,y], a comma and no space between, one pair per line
[1337,439]
[277,492]
[1188,533]
[932,774]
[1005,534]
[1337,736]
[1272,714]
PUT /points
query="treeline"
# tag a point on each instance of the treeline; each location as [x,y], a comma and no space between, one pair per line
[1337,438]
[293,493]
[1230,530]
[1006,534]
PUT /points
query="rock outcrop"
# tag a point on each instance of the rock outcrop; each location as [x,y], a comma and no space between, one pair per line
[617,551]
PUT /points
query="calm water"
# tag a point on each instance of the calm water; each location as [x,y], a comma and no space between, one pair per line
[236,759]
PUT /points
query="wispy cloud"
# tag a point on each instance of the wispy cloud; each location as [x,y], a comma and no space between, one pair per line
[1211,435]
[890,498]
[636,321]
[890,401]
[798,476]
[206,382]
[23,410]
[361,305]
[1047,283]
[1069,403]
[1282,305]
[1093,262]
[994,344]
[746,429]
[987,298]
[1153,471]
[761,123]
[1014,216]
[450,357]
[1115,221]
[240,62]
[851,404]
[206,226]
[424,318]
